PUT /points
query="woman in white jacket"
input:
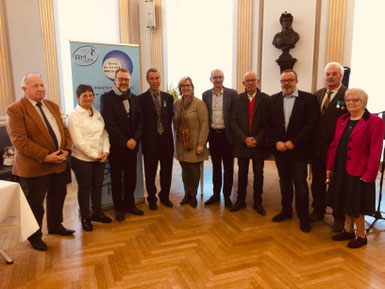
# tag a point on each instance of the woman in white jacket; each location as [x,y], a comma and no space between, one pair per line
[90,150]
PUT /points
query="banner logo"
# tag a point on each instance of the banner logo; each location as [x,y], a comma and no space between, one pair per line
[85,55]
[115,60]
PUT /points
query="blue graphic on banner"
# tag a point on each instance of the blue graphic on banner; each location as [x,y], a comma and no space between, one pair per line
[115,60]
[95,64]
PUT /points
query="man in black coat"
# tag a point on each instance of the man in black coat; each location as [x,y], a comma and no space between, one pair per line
[219,102]
[290,122]
[158,145]
[249,139]
[332,106]
[123,118]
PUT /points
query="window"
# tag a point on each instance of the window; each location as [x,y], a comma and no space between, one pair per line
[367,52]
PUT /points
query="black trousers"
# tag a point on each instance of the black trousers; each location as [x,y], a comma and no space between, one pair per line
[123,179]
[165,157]
[243,164]
[293,171]
[190,176]
[89,176]
[35,190]
[221,152]
[318,189]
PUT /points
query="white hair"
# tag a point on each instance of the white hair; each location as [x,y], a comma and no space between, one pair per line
[335,64]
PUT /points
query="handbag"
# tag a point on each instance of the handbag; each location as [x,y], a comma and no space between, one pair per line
[8,156]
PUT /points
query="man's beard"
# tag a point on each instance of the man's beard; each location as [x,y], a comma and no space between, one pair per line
[288,90]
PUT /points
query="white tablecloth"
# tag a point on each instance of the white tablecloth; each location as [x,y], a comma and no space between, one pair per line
[14,209]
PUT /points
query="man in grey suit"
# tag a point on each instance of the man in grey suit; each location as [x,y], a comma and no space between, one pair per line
[331,104]
[249,139]
[219,102]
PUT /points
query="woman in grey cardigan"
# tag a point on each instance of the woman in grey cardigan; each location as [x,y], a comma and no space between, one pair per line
[191,131]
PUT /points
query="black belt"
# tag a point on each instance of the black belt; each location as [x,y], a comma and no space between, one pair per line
[218,130]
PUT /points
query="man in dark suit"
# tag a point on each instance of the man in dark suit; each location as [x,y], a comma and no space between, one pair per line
[331,104]
[158,144]
[249,139]
[290,121]
[124,122]
[42,144]
[219,101]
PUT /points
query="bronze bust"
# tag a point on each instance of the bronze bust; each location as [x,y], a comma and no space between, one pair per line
[286,40]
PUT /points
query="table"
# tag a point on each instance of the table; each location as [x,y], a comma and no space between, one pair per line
[14,209]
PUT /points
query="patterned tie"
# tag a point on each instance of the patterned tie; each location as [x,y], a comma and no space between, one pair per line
[51,132]
[327,102]
[158,108]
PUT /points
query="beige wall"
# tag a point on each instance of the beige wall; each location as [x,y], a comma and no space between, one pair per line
[24,40]
[306,52]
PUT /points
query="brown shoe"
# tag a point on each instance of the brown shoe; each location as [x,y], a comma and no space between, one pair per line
[343,236]
[357,242]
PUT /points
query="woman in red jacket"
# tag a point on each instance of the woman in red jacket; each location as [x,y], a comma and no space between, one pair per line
[352,165]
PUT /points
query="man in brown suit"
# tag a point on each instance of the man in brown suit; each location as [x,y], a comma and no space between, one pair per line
[42,145]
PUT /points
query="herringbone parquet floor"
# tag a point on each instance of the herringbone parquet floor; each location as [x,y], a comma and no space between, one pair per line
[184,247]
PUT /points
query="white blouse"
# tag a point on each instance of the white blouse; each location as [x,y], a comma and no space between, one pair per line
[88,134]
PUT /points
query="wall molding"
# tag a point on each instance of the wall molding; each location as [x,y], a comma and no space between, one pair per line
[336,35]
[50,53]
[157,41]
[245,22]
[4,77]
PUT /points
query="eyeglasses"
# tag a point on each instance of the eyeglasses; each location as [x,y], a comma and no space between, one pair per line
[123,79]
[352,100]
[185,85]
[251,80]
[288,80]
[218,77]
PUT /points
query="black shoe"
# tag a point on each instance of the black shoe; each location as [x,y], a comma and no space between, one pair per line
[357,242]
[119,216]
[282,216]
[38,244]
[184,200]
[315,217]
[260,210]
[338,225]
[304,225]
[86,225]
[343,236]
[135,211]
[60,230]
[238,205]
[193,202]
[100,217]
[167,203]
[213,199]
[228,203]
[153,206]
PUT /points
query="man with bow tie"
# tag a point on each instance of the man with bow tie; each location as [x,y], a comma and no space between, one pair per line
[331,104]
[124,123]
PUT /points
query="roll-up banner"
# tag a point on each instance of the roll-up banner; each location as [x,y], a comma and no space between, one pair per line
[95,64]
